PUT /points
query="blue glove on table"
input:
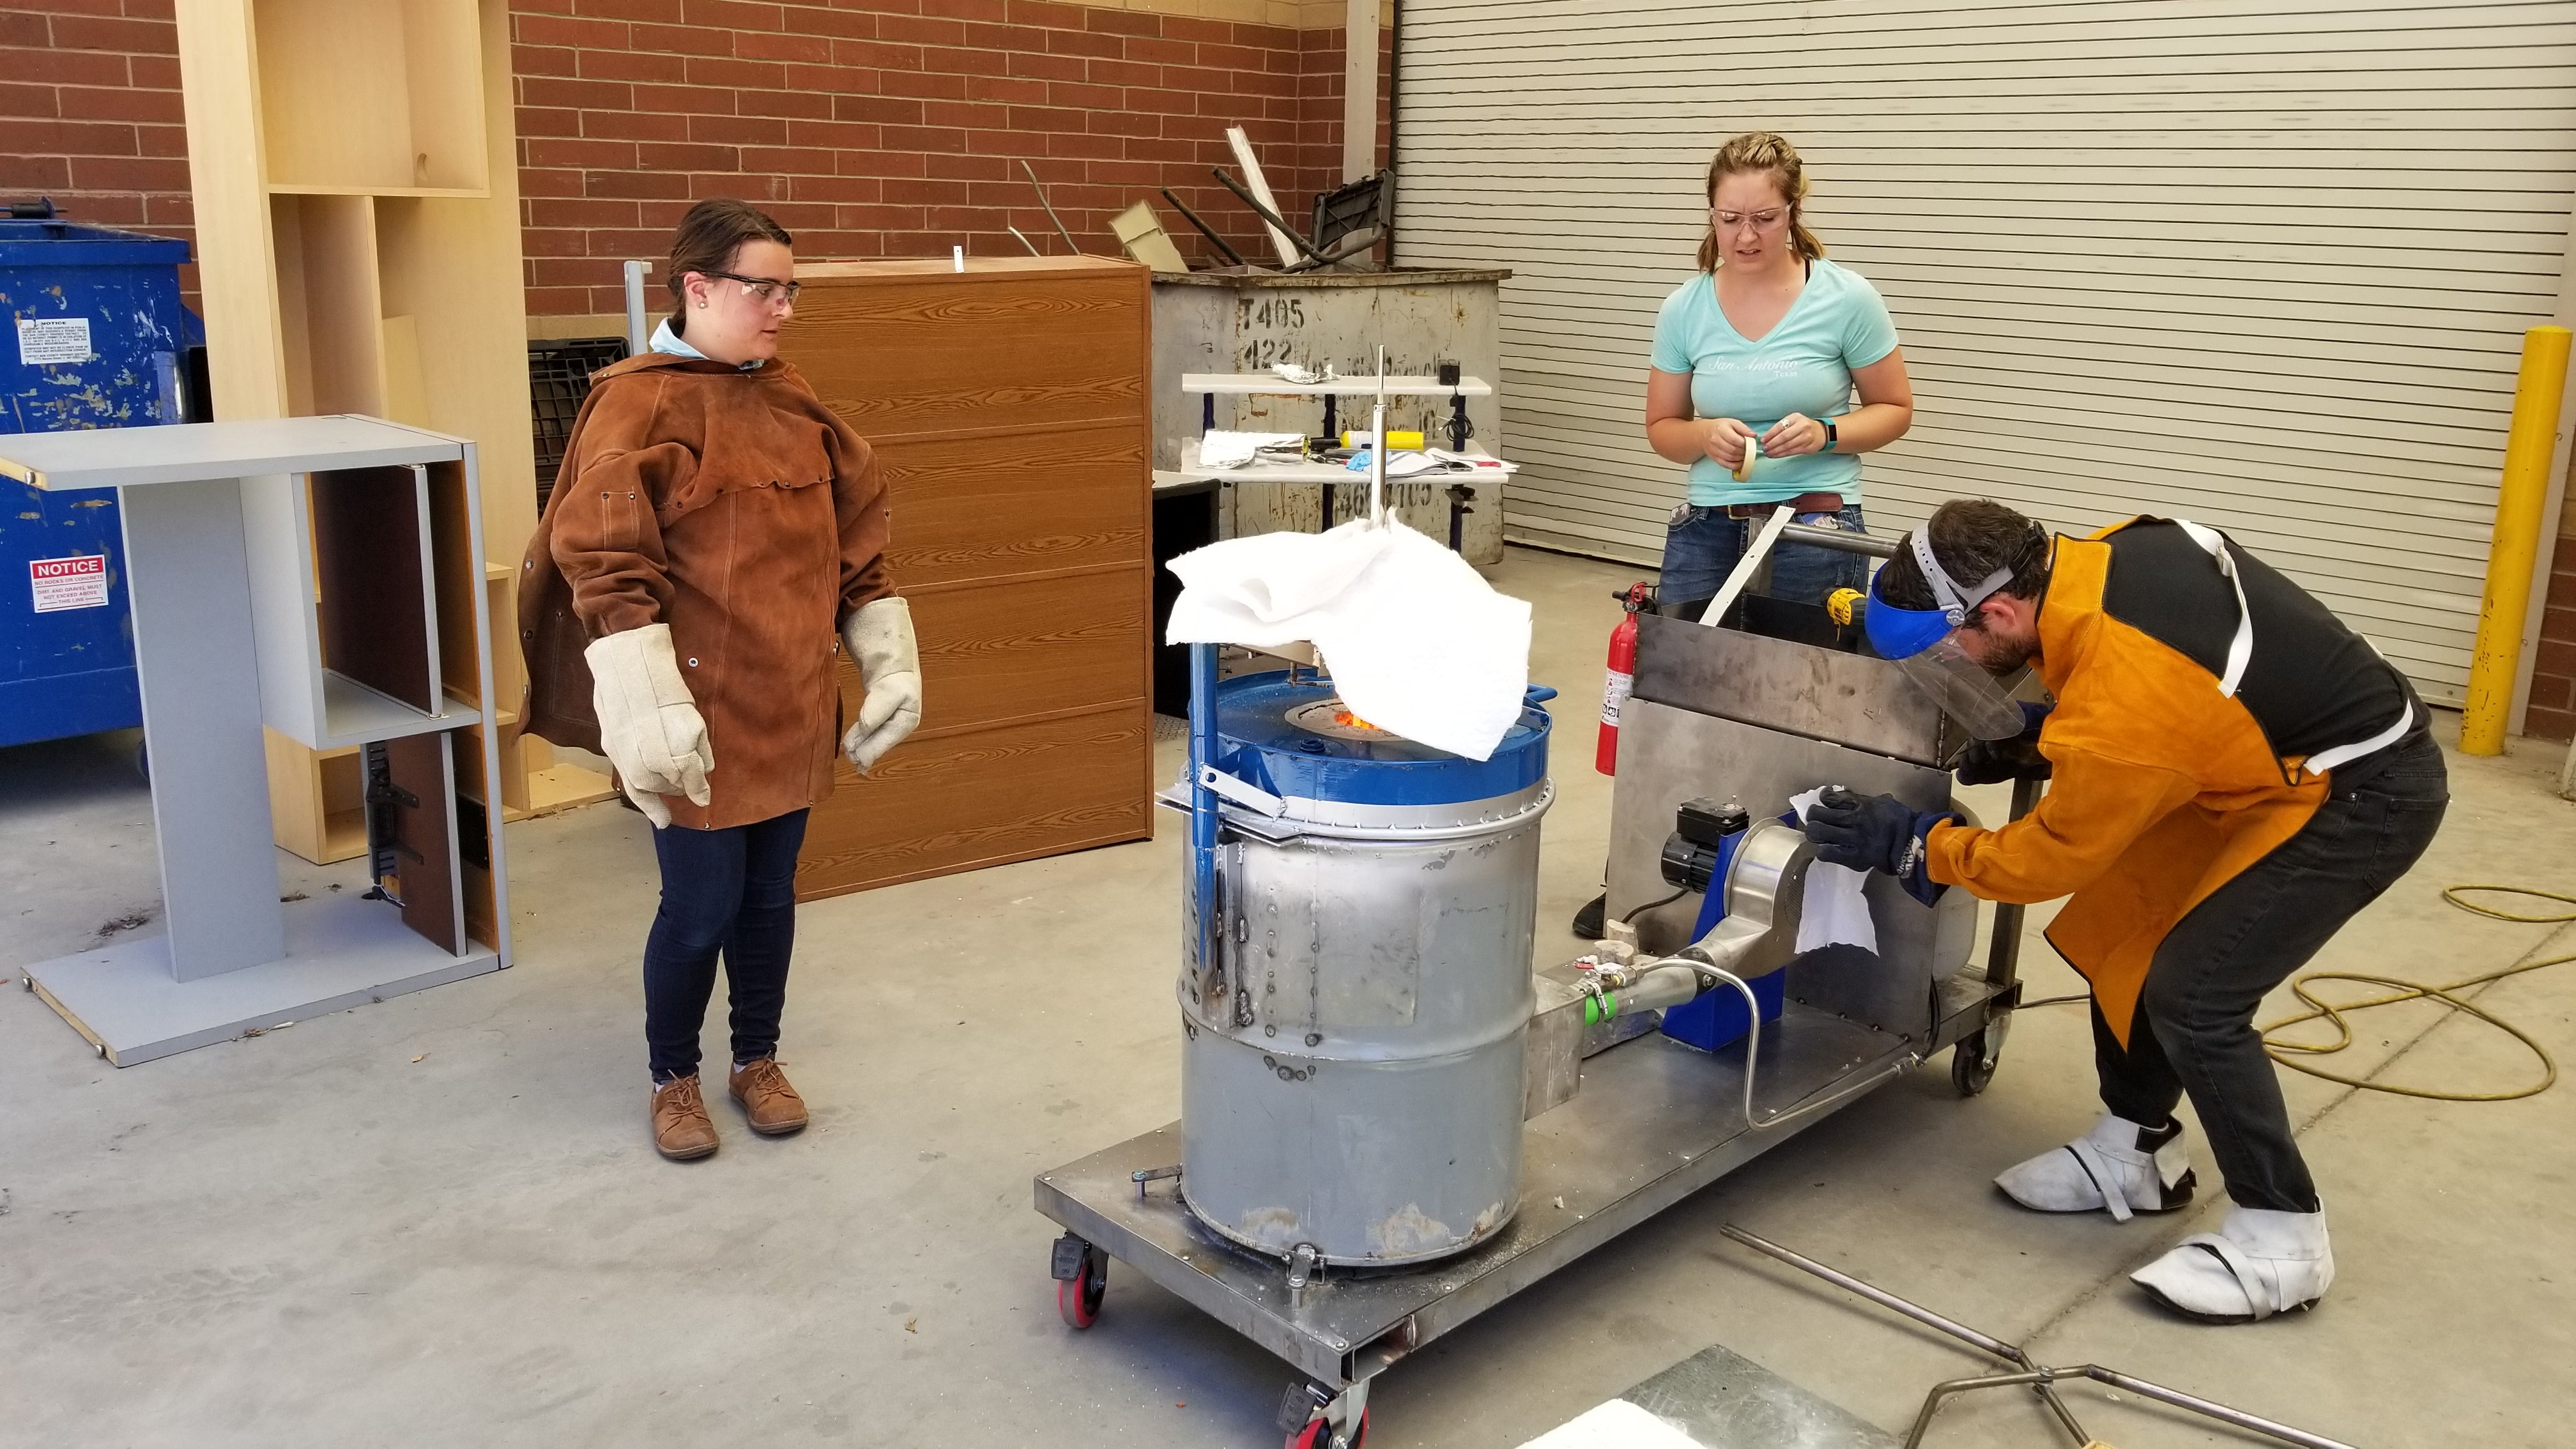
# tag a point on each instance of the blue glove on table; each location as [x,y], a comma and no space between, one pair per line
[1876,832]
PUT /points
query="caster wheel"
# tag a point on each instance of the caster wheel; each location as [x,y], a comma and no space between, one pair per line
[1319,1435]
[1077,1298]
[1973,1060]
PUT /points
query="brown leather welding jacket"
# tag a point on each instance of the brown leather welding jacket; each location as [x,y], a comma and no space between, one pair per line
[733,506]
[2164,786]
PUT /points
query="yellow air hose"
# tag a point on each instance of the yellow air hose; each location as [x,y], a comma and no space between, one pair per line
[2287,1053]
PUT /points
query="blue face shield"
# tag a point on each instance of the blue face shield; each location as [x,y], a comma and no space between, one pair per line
[1925,644]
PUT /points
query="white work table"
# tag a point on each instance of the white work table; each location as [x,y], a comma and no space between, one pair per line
[220,565]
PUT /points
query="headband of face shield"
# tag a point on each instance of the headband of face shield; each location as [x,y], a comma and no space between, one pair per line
[1925,644]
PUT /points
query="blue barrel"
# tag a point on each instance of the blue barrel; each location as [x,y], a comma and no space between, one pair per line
[97,339]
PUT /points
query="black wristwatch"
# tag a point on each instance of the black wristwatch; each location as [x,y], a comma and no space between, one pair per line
[1831,437]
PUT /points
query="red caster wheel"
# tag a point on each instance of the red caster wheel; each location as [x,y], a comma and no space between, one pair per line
[1082,1276]
[1319,1435]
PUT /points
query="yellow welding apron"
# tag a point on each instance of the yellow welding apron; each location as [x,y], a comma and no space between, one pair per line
[2165,786]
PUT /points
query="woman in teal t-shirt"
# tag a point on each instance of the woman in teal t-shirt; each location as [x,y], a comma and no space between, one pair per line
[1768,343]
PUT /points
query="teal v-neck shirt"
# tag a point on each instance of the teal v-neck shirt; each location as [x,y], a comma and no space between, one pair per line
[1802,365]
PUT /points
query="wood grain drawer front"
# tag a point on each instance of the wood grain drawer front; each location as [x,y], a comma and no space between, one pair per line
[982,798]
[902,357]
[1003,651]
[965,508]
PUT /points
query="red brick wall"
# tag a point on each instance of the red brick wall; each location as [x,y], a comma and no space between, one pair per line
[2553,678]
[897,129]
[889,130]
[90,114]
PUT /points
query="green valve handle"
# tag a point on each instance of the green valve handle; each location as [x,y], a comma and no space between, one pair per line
[1598,1009]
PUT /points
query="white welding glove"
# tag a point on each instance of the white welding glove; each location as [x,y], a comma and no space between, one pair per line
[879,637]
[649,726]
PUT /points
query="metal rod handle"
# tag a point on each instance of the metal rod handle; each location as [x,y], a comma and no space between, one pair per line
[1841,540]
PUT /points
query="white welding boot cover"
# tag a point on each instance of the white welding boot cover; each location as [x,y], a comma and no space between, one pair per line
[2259,1262]
[2104,1168]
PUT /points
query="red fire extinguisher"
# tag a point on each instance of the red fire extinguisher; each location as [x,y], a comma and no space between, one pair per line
[1623,677]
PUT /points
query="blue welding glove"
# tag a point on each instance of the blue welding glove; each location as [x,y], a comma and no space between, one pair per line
[1876,832]
[1990,762]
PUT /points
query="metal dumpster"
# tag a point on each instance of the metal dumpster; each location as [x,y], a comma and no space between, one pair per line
[97,339]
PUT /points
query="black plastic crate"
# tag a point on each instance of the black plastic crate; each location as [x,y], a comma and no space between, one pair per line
[558,379]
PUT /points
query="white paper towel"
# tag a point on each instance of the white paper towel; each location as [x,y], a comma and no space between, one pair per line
[1417,641]
[1835,913]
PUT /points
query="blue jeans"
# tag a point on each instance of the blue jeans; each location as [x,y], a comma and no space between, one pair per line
[2194,1035]
[1701,547]
[731,891]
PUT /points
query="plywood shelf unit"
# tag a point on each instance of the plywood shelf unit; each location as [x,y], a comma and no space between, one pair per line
[356,187]
[1008,410]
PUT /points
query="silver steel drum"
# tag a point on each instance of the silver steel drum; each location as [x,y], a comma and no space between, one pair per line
[1351,1068]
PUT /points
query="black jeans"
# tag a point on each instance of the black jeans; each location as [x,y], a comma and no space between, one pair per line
[2194,1031]
[734,891]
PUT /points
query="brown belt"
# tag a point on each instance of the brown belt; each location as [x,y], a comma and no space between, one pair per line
[1803,503]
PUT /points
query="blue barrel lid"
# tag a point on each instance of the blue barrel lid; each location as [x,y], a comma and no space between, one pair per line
[42,243]
[1279,731]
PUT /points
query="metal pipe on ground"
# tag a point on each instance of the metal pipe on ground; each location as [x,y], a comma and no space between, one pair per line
[2040,1377]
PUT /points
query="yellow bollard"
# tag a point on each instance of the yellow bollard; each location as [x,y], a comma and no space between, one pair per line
[2520,502]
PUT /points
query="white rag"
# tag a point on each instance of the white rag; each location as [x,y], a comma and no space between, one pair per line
[1835,913]
[1418,643]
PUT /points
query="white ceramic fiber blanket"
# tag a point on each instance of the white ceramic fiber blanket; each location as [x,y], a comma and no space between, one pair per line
[1417,641]
[1835,912]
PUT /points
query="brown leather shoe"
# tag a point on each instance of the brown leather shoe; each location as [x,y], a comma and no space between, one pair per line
[681,1127]
[772,1106]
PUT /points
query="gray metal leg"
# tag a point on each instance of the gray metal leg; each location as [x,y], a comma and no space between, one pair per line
[189,578]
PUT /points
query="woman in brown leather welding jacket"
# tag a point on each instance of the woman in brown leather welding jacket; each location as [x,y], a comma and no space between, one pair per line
[715,538]
[2234,774]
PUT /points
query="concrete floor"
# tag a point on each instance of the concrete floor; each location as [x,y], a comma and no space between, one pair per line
[438,1221]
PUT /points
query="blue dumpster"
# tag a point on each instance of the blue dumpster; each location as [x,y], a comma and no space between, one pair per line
[97,339]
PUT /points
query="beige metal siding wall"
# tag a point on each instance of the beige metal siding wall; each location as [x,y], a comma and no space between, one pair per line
[2260,264]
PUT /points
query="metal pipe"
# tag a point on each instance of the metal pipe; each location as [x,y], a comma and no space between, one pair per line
[1882,1298]
[1941,1391]
[2221,1412]
[637,338]
[1267,215]
[1034,185]
[1841,540]
[2039,1376]
[2009,1353]
[1203,806]
[2521,502]
[1205,230]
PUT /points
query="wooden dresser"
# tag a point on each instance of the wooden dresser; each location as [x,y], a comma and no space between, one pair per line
[1007,404]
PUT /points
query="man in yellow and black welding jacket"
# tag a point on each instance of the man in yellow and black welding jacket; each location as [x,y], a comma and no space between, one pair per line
[2234,774]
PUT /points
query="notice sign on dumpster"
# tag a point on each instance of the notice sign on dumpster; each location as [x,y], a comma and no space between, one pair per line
[69,583]
[53,339]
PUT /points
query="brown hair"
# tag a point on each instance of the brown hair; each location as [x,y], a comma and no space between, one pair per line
[1770,153]
[706,241]
[1971,537]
